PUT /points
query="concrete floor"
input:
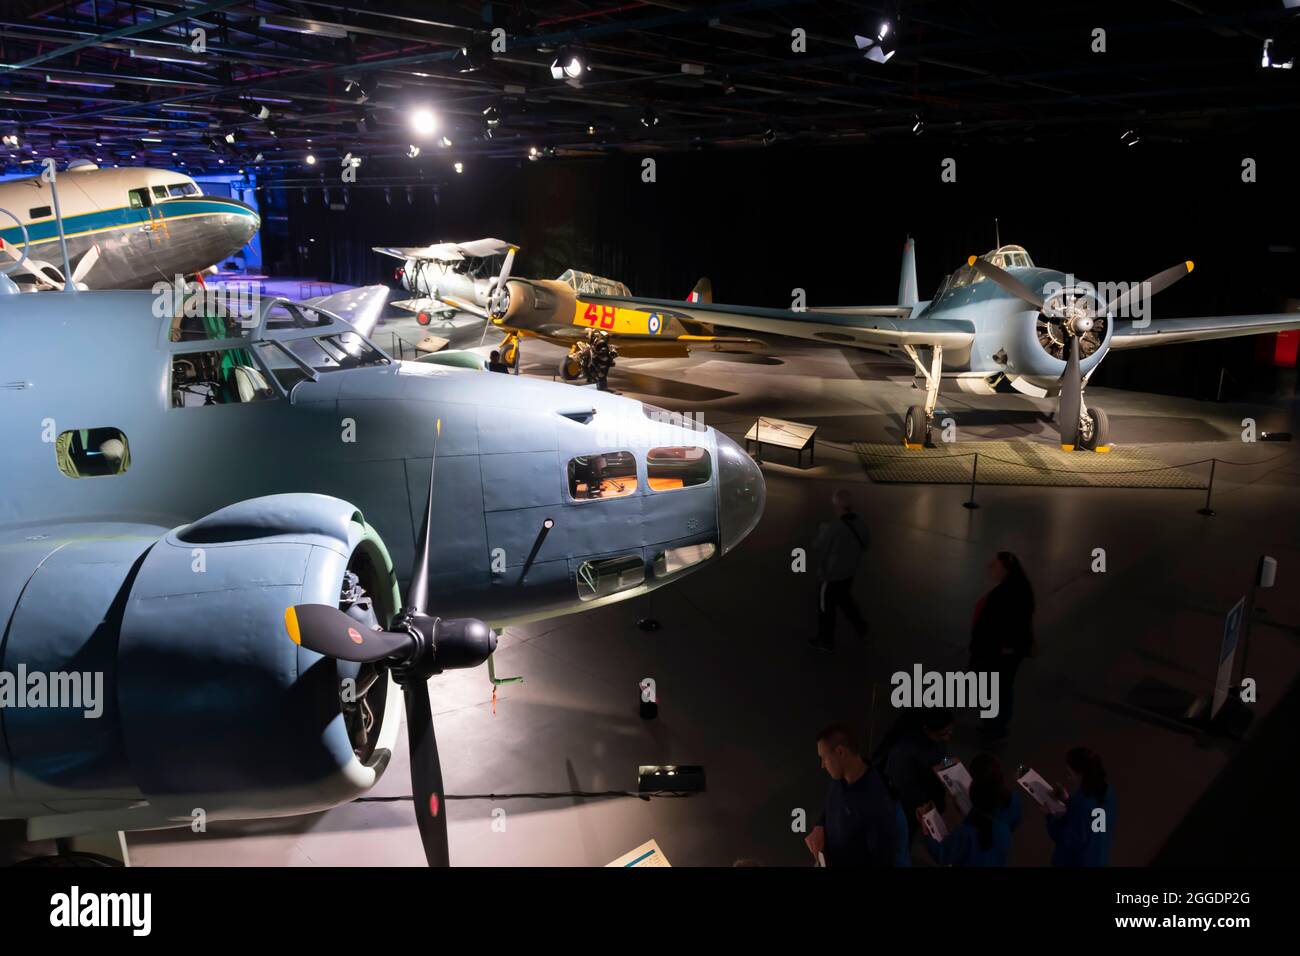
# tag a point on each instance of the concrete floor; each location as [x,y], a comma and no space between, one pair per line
[743,694]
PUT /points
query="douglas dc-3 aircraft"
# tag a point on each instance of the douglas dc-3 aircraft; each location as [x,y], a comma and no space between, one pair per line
[454,277]
[999,318]
[126,228]
[216,519]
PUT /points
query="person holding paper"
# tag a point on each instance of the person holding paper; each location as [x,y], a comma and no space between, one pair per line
[1082,833]
[983,839]
[861,824]
[909,768]
[1002,632]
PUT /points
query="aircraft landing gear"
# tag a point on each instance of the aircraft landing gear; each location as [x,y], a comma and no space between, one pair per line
[1094,430]
[920,418]
[590,360]
[510,350]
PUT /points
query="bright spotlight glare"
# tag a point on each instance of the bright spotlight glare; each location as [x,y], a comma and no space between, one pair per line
[311,160]
[424,122]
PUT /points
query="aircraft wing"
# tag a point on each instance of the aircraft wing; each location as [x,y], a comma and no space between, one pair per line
[447,251]
[1169,331]
[463,305]
[360,307]
[861,330]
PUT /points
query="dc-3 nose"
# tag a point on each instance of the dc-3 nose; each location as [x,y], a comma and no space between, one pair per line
[741,493]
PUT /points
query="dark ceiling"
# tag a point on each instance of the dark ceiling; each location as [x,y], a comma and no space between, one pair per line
[120,82]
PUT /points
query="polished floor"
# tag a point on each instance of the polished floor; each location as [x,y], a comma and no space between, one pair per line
[743,694]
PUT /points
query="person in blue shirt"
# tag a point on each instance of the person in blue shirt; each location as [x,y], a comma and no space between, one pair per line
[983,839]
[1082,833]
[861,824]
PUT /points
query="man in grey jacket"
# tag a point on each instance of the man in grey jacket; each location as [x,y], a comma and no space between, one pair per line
[838,552]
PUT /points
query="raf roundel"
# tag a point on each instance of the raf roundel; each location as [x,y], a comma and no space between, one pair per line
[655,323]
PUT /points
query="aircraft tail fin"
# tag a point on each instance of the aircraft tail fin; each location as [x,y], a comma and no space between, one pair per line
[907,288]
[703,292]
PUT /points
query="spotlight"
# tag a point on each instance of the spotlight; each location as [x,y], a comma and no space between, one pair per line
[649,118]
[12,140]
[362,87]
[1268,59]
[769,136]
[591,131]
[444,141]
[424,122]
[534,153]
[918,124]
[256,110]
[230,138]
[459,167]
[880,48]
[257,158]
[492,116]
[413,151]
[311,160]
[473,56]
[1130,138]
[567,64]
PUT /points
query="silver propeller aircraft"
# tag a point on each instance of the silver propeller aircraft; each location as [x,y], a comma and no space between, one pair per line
[999,318]
[213,520]
[125,228]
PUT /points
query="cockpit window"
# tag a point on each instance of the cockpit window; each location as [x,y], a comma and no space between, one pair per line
[92,452]
[610,474]
[160,192]
[219,377]
[668,469]
[289,359]
[183,189]
[674,560]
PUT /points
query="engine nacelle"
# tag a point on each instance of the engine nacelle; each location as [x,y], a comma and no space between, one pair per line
[208,705]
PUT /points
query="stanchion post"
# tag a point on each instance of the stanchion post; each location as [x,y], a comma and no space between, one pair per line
[970,503]
[1209,490]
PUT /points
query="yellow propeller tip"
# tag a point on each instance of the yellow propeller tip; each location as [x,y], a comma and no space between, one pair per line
[439,427]
[1190,265]
[971,260]
[291,625]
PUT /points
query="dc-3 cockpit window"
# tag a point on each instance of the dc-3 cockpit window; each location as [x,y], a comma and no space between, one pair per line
[92,452]
[609,576]
[668,469]
[183,189]
[610,474]
[218,377]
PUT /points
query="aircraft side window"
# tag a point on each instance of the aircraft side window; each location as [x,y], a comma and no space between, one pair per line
[668,469]
[160,192]
[140,198]
[609,576]
[40,212]
[610,474]
[673,560]
[92,452]
[220,377]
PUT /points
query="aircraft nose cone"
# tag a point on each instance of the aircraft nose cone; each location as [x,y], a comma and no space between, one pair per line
[741,492]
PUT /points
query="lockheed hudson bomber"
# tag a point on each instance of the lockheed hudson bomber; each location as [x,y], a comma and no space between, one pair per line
[220,517]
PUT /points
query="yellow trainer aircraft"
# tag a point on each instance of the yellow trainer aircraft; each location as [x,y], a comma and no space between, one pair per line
[563,311]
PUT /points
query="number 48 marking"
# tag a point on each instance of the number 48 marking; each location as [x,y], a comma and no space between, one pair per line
[603,313]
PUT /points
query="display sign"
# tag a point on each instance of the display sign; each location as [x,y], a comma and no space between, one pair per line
[1227,654]
[647,854]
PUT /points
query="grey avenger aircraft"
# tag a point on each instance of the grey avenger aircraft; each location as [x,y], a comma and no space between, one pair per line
[218,517]
[998,319]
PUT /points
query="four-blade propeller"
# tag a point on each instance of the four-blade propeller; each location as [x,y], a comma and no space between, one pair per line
[415,647]
[1077,321]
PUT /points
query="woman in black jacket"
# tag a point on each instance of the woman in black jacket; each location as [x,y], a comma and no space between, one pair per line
[1002,632]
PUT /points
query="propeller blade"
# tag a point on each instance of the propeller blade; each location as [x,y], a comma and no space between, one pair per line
[1157,283]
[85,265]
[1007,281]
[329,631]
[426,774]
[417,591]
[499,288]
[1067,412]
